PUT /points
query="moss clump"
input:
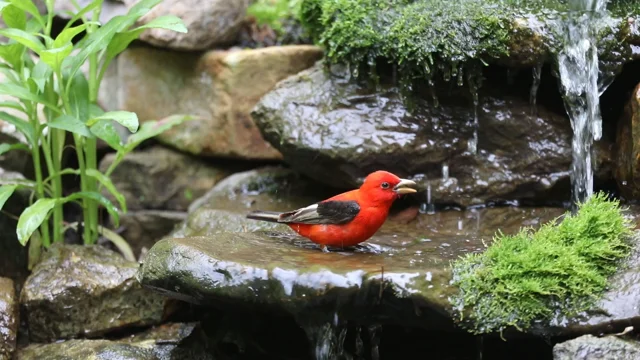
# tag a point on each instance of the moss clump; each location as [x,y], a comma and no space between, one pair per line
[532,275]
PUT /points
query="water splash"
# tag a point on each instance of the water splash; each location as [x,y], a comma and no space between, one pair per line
[578,69]
[374,337]
[326,337]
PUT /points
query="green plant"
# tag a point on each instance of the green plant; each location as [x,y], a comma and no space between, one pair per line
[273,12]
[44,74]
[562,268]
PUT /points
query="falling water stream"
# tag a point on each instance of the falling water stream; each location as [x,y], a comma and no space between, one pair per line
[578,69]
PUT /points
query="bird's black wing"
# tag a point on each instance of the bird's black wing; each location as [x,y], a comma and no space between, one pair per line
[327,212]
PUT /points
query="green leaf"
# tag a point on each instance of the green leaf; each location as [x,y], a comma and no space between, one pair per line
[79,97]
[150,129]
[71,124]
[12,105]
[5,193]
[32,217]
[24,94]
[24,38]
[8,147]
[119,242]
[78,15]
[12,54]
[29,7]
[22,125]
[98,41]
[3,4]
[142,6]
[122,39]
[14,17]
[105,130]
[40,74]
[127,119]
[68,34]
[55,57]
[111,209]
[106,182]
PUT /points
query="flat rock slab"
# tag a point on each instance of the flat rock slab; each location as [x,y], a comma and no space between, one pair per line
[401,275]
[85,291]
[589,347]
[162,343]
[8,318]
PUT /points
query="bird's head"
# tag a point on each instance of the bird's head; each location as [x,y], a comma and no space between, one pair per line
[383,186]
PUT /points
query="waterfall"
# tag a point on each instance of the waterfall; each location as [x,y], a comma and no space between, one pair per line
[578,69]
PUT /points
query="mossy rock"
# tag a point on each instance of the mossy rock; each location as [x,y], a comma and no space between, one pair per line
[425,37]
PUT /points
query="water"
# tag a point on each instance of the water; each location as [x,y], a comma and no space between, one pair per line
[578,69]
[429,207]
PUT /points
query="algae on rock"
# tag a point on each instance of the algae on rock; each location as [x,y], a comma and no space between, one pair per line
[562,268]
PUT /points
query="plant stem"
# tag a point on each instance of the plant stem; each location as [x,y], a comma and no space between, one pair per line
[35,153]
[90,144]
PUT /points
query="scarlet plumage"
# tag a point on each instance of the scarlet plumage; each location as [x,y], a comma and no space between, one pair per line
[346,219]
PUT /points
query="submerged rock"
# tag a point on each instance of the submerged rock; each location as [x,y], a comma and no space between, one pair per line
[159,178]
[589,347]
[163,343]
[85,291]
[328,124]
[219,87]
[8,318]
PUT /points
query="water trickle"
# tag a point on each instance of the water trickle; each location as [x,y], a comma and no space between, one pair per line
[374,337]
[474,79]
[326,337]
[535,84]
[359,343]
[428,207]
[578,69]
[445,172]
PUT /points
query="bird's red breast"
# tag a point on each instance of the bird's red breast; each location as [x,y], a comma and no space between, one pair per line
[346,219]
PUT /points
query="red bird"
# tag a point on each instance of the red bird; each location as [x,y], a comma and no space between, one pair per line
[346,219]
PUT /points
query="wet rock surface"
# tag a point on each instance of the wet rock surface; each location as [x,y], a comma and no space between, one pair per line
[8,318]
[85,291]
[331,125]
[589,347]
[161,178]
[279,269]
[218,87]
[162,343]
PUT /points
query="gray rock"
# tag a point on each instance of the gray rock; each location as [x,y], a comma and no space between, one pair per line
[85,291]
[589,347]
[224,207]
[143,228]
[337,131]
[209,23]
[8,318]
[159,178]
[65,9]
[163,343]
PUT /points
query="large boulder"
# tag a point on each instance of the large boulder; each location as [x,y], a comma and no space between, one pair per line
[8,318]
[218,87]
[85,291]
[589,347]
[337,130]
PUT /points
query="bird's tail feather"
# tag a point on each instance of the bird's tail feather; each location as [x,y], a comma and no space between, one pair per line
[271,216]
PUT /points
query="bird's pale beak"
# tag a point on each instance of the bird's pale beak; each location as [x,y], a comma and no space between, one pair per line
[404,187]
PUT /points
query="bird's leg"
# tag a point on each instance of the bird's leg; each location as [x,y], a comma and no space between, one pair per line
[324,248]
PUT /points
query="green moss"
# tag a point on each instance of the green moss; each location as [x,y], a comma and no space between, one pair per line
[562,267]
[424,37]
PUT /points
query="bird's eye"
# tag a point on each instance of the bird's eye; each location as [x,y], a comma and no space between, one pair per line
[385,185]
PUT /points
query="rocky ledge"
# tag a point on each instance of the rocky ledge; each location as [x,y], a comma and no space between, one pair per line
[401,276]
